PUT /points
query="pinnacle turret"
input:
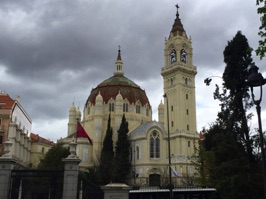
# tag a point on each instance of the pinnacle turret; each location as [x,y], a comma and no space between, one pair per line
[119,64]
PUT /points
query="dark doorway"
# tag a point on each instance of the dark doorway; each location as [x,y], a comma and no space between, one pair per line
[154,180]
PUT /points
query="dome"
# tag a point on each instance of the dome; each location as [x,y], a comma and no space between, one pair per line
[118,84]
[111,87]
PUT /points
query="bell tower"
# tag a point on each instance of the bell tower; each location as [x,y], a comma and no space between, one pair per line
[178,75]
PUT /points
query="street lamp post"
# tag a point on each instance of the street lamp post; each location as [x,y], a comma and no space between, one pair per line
[256,79]
[169,152]
[208,80]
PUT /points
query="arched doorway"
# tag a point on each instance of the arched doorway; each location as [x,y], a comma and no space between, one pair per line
[154,180]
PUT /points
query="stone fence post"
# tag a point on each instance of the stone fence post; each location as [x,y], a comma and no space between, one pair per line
[70,189]
[7,164]
[116,190]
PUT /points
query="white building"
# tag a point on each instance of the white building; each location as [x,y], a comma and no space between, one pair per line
[15,127]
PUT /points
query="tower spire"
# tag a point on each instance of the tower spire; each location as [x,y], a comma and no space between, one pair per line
[177,28]
[119,63]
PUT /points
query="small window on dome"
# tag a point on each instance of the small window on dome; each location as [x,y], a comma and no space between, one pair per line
[111,107]
[137,108]
[125,107]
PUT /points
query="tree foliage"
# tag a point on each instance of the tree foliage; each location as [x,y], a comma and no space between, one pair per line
[237,57]
[229,161]
[122,163]
[90,179]
[261,50]
[53,158]
[107,156]
[90,176]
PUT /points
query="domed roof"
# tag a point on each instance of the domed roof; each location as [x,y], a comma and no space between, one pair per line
[111,87]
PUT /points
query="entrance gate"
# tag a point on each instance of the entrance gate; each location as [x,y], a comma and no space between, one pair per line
[36,184]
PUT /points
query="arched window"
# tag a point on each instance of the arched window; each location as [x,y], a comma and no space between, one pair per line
[173,56]
[154,145]
[137,108]
[183,56]
[111,106]
[137,152]
[131,153]
[125,107]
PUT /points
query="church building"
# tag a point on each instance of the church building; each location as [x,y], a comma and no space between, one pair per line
[149,139]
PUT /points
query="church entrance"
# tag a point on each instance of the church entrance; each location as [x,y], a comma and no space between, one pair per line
[154,180]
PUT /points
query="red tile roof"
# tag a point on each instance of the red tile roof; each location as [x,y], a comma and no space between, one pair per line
[37,138]
[6,102]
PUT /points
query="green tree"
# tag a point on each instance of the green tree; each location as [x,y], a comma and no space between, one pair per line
[90,178]
[53,158]
[237,57]
[228,148]
[203,163]
[107,155]
[261,50]
[91,175]
[122,163]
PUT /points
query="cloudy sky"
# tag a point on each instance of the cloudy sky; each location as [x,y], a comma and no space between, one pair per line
[53,52]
